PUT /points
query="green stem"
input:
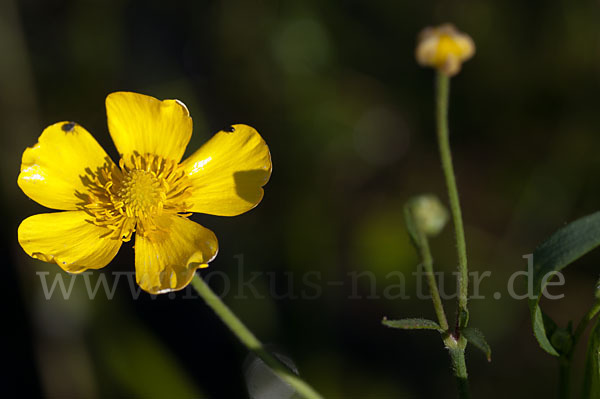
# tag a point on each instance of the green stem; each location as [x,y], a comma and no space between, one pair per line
[443,89]
[566,360]
[250,341]
[584,322]
[427,259]
[589,387]
[564,377]
[457,356]
[456,344]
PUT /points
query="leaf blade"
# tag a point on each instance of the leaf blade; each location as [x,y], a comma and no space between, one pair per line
[412,324]
[565,246]
[562,248]
[476,337]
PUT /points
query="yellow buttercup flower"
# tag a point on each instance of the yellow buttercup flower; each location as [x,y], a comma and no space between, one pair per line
[444,48]
[150,192]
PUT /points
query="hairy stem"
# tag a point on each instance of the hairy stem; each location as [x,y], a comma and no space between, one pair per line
[455,343]
[443,89]
[457,356]
[427,259]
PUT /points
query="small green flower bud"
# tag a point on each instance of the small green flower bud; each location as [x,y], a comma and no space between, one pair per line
[429,214]
[562,340]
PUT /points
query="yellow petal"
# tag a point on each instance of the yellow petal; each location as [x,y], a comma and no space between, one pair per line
[52,170]
[67,239]
[228,172]
[143,124]
[427,49]
[466,46]
[166,259]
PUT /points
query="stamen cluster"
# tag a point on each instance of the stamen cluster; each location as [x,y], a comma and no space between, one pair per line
[127,199]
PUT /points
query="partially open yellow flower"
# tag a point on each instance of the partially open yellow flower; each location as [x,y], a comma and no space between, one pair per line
[444,48]
[150,192]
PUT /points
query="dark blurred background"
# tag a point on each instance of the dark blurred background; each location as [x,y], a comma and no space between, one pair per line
[334,89]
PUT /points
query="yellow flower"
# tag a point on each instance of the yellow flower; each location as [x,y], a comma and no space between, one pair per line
[150,192]
[444,48]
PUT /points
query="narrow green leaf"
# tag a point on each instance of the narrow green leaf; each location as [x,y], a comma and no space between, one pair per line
[475,337]
[562,248]
[412,324]
[543,328]
[591,381]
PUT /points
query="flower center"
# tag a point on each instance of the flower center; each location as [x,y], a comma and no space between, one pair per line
[128,198]
[447,47]
[142,194]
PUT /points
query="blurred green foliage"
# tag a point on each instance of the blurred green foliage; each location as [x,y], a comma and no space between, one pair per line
[334,89]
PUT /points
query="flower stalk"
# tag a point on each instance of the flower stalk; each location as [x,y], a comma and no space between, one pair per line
[455,343]
[250,341]
[443,91]
[425,253]
[444,48]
